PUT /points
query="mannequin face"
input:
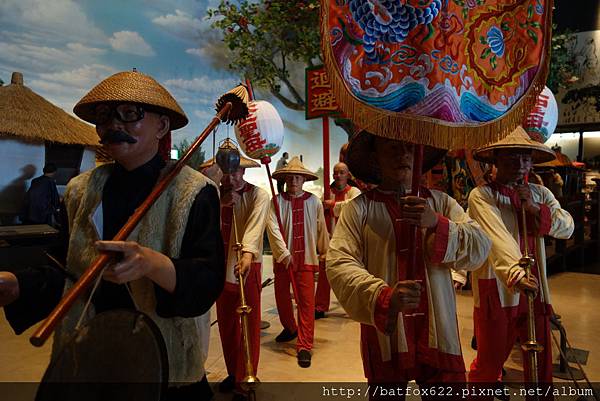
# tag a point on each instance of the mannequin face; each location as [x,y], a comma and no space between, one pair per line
[341,175]
[145,133]
[395,160]
[513,165]
[234,181]
[293,184]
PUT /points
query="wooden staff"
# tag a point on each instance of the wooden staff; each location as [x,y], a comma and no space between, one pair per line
[231,107]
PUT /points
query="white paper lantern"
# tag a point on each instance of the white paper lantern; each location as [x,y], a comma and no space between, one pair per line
[541,121]
[261,134]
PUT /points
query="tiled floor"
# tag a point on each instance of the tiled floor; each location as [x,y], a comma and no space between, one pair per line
[336,355]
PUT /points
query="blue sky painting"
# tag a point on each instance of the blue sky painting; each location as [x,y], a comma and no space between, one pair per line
[65,47]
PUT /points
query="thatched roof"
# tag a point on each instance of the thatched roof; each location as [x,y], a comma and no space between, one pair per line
[27,115]
[561,160]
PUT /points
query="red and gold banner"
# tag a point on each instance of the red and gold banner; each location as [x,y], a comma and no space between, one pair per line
[446,73]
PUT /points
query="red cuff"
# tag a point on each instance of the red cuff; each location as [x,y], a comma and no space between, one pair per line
[382,308]
[545,222]
[442,232]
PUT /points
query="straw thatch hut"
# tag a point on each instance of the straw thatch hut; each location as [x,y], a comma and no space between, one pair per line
[34,132]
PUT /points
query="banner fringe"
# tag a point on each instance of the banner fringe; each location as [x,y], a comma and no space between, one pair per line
[426,130]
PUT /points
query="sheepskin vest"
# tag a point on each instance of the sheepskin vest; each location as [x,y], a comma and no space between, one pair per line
[161,229]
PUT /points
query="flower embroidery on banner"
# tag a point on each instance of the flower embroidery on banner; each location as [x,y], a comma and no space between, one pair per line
[495,40]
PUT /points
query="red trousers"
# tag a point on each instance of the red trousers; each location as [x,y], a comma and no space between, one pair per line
[323,290]
[230,326]
[496,336]
[305,301]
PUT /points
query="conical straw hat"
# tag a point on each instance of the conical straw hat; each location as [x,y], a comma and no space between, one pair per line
[362,165]
[295,166]
[518,139]
[134,87]
[244,163]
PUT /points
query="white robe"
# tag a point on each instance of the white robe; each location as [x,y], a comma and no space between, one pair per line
[251,218]
[361,262]
[499,219]
[336,210]
[315,231]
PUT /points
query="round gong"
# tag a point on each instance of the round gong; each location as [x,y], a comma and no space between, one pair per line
[117,355]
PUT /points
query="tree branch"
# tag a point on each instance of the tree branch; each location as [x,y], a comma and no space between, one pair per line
[286,102]
[281,74]
[299,99]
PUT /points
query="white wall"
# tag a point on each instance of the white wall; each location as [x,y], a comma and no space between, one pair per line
[88,161]
[19,163]
[570,144]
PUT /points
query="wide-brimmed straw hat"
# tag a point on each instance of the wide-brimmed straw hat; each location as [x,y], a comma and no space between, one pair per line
[365,167]
[134,87]
[294,166]
[244,163]
[518,139]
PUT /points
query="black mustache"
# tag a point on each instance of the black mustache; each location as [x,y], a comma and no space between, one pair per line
[116,137]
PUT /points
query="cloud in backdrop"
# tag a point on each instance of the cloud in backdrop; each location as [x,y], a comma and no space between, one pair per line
[64,47]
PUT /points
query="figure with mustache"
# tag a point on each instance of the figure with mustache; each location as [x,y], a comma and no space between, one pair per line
[409,328]
[296,253]
[250,206]
[173,262]
[500,285]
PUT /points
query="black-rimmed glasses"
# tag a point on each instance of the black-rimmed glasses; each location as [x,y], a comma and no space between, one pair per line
[124,112]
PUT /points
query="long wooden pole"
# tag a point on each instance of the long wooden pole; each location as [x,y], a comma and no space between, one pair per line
[326,189]
[43,332]
[266,161]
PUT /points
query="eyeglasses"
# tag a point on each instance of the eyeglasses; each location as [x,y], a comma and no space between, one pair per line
[124,112]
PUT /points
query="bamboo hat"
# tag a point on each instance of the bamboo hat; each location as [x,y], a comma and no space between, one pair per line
[244,163]
[363,166]
[134,87]
[518,139]
[294,166]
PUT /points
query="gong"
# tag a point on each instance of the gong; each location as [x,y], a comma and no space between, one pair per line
[117,355]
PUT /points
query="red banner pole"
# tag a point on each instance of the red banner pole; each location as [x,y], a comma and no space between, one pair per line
[266,161]
[326,171]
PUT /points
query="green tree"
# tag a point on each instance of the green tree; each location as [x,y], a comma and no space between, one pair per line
[564,65]
[197,158]
[270,41]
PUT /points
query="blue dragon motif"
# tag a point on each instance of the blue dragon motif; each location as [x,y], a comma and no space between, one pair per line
[389,21]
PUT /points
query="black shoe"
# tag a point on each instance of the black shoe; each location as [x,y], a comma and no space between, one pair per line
[227,385]
[319,314]
[474,343]
[286,336]
[303,358]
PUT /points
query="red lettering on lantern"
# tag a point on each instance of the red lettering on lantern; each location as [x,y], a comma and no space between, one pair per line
[252,138]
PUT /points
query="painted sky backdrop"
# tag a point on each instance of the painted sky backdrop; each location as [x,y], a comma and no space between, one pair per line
[65,47]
